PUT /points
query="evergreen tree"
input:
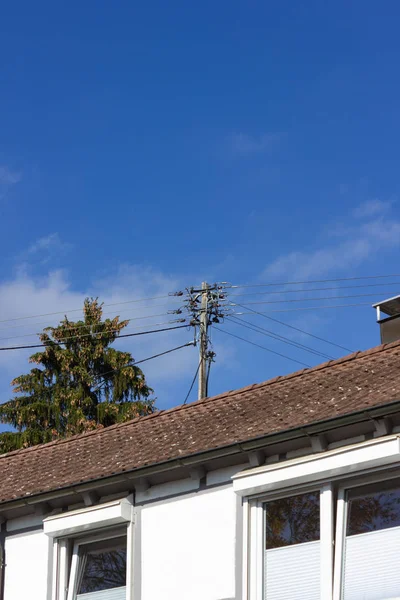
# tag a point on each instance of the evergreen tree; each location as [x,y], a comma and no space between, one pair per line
[80,383]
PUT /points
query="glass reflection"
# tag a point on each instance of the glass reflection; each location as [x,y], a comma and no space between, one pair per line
[103,569]
[373,511]
[292,520]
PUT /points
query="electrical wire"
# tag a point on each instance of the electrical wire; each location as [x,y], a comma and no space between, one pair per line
[173,296]
[262,347]
[285,310]
[277,337]
[192,384]
[296,328]
[64,312]
[247,285]
[306,299]
[341,287]
[73,328]
[46,323]
[139,362]
[125,335]
[208,374]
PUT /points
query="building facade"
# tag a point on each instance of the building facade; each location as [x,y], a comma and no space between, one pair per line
[285,490]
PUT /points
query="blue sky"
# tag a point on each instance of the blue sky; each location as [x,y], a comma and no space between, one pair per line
[145,147]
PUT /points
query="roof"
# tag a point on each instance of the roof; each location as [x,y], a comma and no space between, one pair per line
[390,307]
[356,382]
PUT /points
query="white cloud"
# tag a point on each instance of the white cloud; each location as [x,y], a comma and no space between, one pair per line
[9,177]
[243,144]
[371,208]
[29,295]
[26,295]
[49,244]
[353,246]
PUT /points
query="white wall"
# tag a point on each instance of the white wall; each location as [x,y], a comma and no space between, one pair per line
[185,545]
[188,547]
[27,559]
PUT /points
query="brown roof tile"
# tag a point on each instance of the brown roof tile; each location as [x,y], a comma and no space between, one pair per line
[360,380]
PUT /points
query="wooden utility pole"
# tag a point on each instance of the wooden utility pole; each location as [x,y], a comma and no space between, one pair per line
[206,306]
[203,342]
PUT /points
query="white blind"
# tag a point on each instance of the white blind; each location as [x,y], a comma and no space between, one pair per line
[293,572]
[372,566]
[118,593]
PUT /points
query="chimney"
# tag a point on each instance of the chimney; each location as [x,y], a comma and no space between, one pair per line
[388,317]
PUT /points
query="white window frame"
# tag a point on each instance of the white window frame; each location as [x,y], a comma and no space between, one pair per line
[255,524]
[73,571]
[342,516]
[258,486]
[340,535]
[82,526]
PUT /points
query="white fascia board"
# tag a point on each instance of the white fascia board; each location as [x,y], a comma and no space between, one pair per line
[112,513]
[323,466]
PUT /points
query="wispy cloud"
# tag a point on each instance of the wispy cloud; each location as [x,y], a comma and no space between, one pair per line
[364,236]
[48,243]
[243,144]
[28,295]
[372,208]
[9,177]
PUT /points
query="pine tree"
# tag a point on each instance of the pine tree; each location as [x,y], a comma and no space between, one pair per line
[80,383]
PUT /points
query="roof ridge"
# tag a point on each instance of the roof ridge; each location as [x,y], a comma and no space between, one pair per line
[279,379]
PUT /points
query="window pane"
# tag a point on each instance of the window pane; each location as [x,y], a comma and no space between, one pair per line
[372,544]
[293,572]
[371,569]
[293,520]
[373,511]
[104,567]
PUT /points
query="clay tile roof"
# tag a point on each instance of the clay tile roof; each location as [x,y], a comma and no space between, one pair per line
[359,381]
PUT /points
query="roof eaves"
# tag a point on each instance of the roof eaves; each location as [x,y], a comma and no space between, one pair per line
[358,355]
[237,447]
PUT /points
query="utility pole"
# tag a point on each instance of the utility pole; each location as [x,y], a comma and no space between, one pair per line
[206,306]
[203,342]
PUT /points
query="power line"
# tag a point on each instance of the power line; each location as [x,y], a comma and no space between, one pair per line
[125,335]
[342,287]
[73,328]
[296,328]
[306,299]
[192,384]
[208,373]
[64,312]
[172,311]
[247,285]
[285,310]
[276,336]
[138,362]
[262,347]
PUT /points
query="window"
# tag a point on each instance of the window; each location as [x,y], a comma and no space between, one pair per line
[372,543]
[292,548]
[98,570]
[372,508]
[289,537]
[93,552]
